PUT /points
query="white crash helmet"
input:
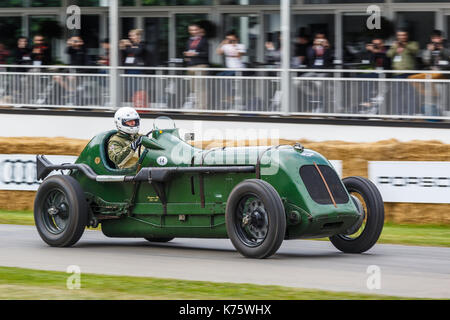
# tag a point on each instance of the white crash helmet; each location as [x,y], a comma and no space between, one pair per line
[122,116]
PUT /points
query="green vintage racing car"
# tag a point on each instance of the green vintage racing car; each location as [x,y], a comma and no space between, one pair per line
[255,196]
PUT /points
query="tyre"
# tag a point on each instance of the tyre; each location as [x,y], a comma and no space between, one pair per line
[365,234]
[60,211]
[159,240]
[255,219]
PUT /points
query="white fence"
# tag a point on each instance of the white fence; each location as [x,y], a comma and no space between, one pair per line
[331,92]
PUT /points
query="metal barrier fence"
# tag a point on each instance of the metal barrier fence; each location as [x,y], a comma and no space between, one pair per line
[331,92]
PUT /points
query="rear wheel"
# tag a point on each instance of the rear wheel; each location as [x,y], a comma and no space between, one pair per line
[60,211]
[365,234]
[255,218]
[159,240]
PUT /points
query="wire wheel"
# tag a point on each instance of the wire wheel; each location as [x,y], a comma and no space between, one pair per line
[55,212]
[256,219]
[366,232]
[356,231]
[60,211]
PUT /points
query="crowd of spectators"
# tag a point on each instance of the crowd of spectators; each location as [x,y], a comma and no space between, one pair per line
[309,52]
[312,52]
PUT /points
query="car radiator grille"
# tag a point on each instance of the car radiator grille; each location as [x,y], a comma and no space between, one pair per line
[317,188]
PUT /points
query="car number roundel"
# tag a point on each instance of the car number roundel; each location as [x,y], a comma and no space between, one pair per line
[162,161]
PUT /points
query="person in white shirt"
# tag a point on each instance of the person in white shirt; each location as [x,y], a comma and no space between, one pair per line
[233,52]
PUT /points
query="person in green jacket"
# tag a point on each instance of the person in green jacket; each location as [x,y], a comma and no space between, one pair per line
[404,52]
[123,146]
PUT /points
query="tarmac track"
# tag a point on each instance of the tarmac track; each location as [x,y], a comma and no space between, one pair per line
[405,270]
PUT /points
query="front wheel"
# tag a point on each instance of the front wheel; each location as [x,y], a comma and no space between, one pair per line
[60,211]
[255,219]
[365,234]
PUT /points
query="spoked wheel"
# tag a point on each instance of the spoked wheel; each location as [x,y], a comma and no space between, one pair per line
[159,240]
[60,211]
[55,212]
[256,221]
[252,221]
[366,232]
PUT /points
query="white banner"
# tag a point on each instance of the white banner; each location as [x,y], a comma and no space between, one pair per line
[412,182]
[18,171]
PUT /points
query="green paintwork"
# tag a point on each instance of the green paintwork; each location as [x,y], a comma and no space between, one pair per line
[111,202]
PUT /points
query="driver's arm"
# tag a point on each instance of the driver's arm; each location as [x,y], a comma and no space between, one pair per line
[119,154]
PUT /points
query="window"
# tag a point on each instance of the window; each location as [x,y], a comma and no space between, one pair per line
[342,1]
[419,24]
[11,30]
[157,38]
[177,2]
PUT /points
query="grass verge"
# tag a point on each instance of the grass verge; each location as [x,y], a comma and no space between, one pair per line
[418,235]
[16,283]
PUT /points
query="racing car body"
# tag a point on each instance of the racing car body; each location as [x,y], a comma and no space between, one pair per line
[256,196]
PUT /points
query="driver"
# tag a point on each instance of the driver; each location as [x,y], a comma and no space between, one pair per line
[123,146]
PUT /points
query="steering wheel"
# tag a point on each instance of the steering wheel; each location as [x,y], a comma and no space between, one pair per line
[140,148]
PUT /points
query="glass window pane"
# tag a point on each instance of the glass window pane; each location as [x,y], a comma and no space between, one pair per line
[421,1]
[157,38]
[11,3]
[448,27]
[249,2]
[341,1]
[419,24]
[11,30]
[46,3]
[90,33]
[48,27]
[100,3]
[127,25]
[355,37]
[176,2]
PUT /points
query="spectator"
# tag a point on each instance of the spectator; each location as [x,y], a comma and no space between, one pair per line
[436,56]
[377,55]
[134,50]
[71,85]
[41,51]
[22,55]
[273,50]
[403,53]
[197,50]
[233,52]
[197,56]
[134,54]
[77,52]
[373,94]
[103,60]
[319,95]
[319,55]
